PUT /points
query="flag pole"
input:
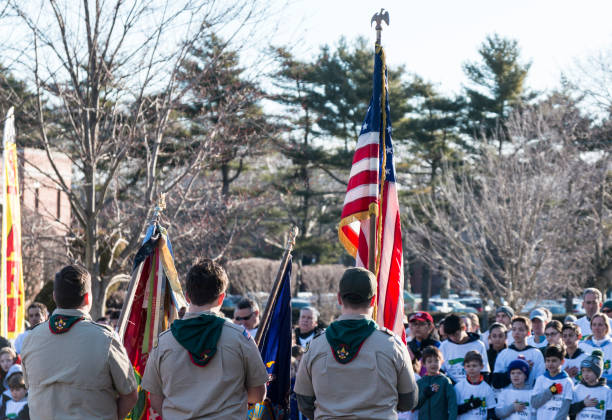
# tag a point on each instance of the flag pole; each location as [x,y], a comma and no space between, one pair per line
[265,319]
[131,292]
[379,18]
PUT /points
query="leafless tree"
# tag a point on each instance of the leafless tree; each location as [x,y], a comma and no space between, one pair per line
[520,225]
[105,80]
[43,252]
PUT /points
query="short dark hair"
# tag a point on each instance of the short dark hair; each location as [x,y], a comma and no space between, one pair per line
[452,324]
[352,301]
[573,327]
[432,351]
[206,281]
[473,356]
[247,303]
[15,381]
[40,306]
[71,285]
[522,319]
[555,350]
[554,324]
[494,325]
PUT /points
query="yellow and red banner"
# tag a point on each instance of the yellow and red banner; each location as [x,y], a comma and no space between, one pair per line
[12,291]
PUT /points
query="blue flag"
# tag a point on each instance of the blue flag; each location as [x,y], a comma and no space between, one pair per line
[275,349]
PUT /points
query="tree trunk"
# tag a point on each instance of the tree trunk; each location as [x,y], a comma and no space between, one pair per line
[425,286]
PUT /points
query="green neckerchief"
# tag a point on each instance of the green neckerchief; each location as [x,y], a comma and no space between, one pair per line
[199,336]
[60,324]
[347,336]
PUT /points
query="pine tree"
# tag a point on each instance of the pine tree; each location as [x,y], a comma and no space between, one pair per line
[497,87]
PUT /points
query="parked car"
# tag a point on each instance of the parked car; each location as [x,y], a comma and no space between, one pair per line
[299,303]
[230,301]
[473,302]
[440,305]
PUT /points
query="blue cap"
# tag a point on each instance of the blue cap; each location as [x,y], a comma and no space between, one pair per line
[539,314]
[519,364]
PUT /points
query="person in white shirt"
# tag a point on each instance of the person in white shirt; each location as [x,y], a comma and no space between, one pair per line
[503,315]
[538,318]
[475,397]
[553,392]
[247,315]
[513,401]
[533,356]
[591,303]
[454,349]
[592,397]
[37,312]
[307,326]
[600,340]
[574,355]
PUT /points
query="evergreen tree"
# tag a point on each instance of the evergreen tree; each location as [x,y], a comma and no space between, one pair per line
[219,97]
[497,87]
[432,128]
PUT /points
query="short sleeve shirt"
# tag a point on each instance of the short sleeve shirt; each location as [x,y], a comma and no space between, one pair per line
[77,374]
[215,391]
[367,387]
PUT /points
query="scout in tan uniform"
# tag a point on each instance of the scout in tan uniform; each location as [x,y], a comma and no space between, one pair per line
[354,369]
[73,367]
[205,366]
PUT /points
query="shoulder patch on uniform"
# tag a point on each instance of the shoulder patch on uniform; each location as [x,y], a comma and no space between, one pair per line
[246,334]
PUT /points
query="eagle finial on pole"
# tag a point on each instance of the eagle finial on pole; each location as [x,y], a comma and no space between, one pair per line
[379,18]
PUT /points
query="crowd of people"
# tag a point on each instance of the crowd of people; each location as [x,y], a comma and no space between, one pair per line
[522,367]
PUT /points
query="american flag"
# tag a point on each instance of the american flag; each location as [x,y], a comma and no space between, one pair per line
[372,192]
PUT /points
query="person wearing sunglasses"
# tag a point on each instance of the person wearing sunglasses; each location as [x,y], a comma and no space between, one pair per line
[607,308]
[247,315]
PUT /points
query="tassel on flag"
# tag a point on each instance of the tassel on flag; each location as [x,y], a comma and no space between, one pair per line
[152,303]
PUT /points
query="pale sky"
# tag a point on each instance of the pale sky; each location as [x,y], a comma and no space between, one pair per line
[434,38]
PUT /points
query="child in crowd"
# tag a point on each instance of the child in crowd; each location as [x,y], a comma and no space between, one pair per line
[574,355]
[459,342]
[520,330]
[538,318]
[497,342]
[513,401]
[553,331]
[15,407]
[600,340]
[592,397]
[437,399]
[553,391]
[7,359]
[475,398]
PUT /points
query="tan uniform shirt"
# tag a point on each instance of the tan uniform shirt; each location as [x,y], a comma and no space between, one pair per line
[365,388]
[215,391]
[75,375]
